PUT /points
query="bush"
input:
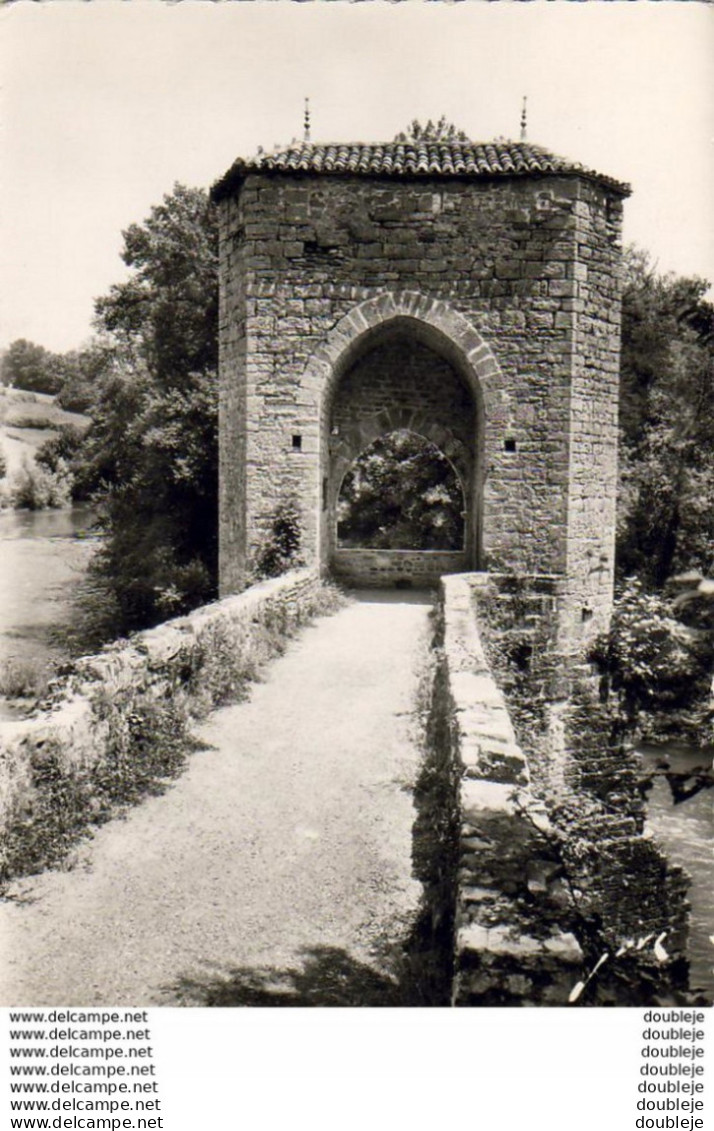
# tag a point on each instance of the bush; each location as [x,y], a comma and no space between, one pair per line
[41,420]
[654,661]
[21,679]
[280,550]
[57,453]
[32,488]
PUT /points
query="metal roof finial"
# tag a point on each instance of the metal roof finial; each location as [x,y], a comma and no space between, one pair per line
[524,119]
[307,120]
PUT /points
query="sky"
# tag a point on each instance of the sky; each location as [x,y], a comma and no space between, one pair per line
[105,105]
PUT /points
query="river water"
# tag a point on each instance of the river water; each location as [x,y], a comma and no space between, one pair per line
[43,557]
[686,832]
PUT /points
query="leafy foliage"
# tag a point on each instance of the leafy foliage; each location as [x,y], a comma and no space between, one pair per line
[151,453]
[84,372]
[58,454]
[166,314]
[432,131]
[666,520]
[26,365]
[401,494]
[154,454]
[280,551]
[654,661]
[33,488]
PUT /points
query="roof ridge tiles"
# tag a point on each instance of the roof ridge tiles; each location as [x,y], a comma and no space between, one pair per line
[441,157]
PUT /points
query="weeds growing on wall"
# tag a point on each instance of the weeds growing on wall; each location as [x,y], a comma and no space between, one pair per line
[229,655]
[146,744]
[280,549]
[23,679]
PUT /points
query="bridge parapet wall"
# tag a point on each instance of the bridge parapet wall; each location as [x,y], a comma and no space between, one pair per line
[510,947]
[97,723]
[375,568]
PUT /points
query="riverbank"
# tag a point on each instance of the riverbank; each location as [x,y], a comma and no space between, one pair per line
[45,558]
[27,420]
[45,555]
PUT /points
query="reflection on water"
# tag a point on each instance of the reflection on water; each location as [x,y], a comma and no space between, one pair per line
[686,832]
[70,522]
[43,558]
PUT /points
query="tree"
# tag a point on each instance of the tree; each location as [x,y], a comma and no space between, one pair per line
[73,376]
[167,314]
[29,366]
[151,452]
[57,454]
[83,373]
[666,517]
[401,494]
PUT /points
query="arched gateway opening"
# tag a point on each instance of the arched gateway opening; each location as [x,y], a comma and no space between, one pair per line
[401,493]
[399,391]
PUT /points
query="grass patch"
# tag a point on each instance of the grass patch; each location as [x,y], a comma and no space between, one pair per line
[16,396]
[23,679]
[40,414]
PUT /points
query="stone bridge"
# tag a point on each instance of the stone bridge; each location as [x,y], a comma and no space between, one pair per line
[295,860]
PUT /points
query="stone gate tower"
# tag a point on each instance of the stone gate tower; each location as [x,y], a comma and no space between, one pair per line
[467,292]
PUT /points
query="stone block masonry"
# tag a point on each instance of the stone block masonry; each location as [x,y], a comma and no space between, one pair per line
[386,568]
[624,890]
[511,946]
[479,311]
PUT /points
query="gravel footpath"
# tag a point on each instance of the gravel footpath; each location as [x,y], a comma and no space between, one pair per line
[276,870]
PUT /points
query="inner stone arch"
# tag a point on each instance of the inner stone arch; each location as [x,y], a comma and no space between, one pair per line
[398,378]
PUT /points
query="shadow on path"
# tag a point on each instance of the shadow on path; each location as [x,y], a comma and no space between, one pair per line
[329,976]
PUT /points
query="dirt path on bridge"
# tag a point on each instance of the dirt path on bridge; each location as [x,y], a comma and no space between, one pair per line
[276,870]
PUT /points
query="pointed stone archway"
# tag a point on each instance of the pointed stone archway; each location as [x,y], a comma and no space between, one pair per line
[404,361]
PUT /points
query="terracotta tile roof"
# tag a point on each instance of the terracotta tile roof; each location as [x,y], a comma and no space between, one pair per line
[409,159]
